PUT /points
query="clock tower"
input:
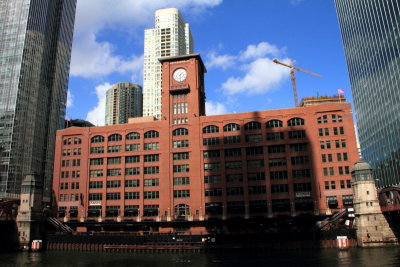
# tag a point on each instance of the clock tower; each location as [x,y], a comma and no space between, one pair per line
[183,96]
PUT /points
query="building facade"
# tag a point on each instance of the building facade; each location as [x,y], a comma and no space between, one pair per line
[171,36]
[370,32]
[188,167]
[123,100]
[35,51]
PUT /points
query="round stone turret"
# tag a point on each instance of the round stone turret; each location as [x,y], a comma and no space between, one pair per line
[361,171]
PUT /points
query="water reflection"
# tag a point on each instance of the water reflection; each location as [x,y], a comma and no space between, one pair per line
[329,257]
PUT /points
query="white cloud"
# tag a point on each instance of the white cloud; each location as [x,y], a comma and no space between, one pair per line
[262,75]
[261,50]
[215,108]
[92,58]
[70,99]
[98,113]
[222,61]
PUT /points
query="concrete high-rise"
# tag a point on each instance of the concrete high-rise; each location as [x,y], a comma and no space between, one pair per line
[123,100]
[370,33]
[35,52]
[171,36]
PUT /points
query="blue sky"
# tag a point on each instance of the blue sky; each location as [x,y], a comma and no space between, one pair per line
[237,40]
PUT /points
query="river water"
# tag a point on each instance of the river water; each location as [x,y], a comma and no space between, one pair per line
[355,257]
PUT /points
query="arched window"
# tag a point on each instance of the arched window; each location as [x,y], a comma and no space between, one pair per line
[151,134]
[180,132]
[211,129]
[295,122]
[132,136]
[97,139]
[253,125]
[274,124]
[181,210]
[114,137]
[231,127]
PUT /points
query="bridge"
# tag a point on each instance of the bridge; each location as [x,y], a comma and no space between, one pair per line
[389,199]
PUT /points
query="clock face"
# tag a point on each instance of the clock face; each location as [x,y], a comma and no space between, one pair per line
[180,75]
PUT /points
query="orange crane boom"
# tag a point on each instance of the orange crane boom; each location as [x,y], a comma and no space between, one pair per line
[293,77]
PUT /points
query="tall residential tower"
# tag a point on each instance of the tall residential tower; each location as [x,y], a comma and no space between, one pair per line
[123,101]
[370,33]
[35,52]
[170,37]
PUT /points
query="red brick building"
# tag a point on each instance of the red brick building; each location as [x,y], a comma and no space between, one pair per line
[187,169]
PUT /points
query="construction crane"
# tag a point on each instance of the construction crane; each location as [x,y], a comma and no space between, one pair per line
[292,68]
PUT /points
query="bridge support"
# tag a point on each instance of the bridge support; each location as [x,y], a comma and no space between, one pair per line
[30,219]
[372,228]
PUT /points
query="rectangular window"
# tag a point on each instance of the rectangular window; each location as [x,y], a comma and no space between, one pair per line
[256,176]
[181,180]
[151,158]
[96,173]
[276,149]
[132,147]
[211,141]
[253,138]
[180,143]
[302,187]
[300,160]
[232,165]
[278,175]
[151,195]
[333,185]
[151,170]
[235,139]
[211,166]
[300,147]
[208,154]
[327,185]
[113,172]
[132,171]
[96,162]
[277,162]
[131,183]
[233,178]
[279,188]
[113,196]
[132,159]
[95,196]
[212,179]
[115,160]
[114,149]
[339,156]
[234,191]
[181,168]
[181,193]
[342,184]
[113,184]
[151,182]
[300,134]
[304,173]
[255,164]
[97,150]
[257,190]
[152,146]
[181,156]
[275,136]
[233,152]
[213,192]
[132,195]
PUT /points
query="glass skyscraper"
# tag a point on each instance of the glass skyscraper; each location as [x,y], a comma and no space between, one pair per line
[170,37]
[371,39]
[123,101]
[35,52]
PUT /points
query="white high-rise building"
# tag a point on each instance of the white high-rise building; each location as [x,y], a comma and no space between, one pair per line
[170,37]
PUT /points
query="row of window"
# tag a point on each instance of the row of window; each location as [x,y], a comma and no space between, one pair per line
[74,185]
[258,189]
[331,185]
[128,171]
[74,163]
[339,157]
[342,170]
[71,152]
[253,125]
[70,141]
[329,143]
[129,136]
[334,118]
[74,174]
[327,132]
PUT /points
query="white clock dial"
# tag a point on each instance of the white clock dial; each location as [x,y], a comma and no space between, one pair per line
[180,75]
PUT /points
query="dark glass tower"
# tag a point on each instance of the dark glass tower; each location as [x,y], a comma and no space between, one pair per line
[35,52]
[371,40]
